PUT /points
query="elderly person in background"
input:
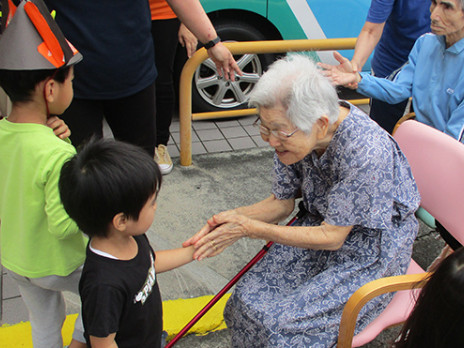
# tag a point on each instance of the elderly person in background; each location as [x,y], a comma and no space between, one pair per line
[433,76]
[360,197]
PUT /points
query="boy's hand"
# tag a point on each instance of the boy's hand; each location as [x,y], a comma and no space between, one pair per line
[60,128]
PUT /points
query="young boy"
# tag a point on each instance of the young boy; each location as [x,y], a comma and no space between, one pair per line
[41,247]
[110,188]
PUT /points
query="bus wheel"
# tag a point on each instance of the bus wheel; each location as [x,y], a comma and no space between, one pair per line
[210,92]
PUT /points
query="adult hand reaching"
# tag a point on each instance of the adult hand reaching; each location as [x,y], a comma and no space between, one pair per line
[187,40]
[225,63]
[221,231]
[343,74]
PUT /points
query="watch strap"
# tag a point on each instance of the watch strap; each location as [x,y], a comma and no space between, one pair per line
[212,43]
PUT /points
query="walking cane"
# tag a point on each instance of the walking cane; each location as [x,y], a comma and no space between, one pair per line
[231,283]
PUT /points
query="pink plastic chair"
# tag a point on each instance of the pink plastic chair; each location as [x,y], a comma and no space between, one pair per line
[437,162]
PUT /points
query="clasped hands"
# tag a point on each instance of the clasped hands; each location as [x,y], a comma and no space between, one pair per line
[220,231]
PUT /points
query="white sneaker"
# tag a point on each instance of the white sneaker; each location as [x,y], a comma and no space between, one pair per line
[163,159]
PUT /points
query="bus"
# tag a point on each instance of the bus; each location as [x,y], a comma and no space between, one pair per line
[256,20]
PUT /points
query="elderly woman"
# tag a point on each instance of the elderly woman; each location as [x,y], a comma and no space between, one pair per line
[433,76]
[360,198]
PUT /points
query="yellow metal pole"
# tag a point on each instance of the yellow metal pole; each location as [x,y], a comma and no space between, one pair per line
[185,105]
[223,114]
[251,111]
[258,47]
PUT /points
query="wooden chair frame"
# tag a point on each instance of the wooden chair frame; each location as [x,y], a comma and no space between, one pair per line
[369,291]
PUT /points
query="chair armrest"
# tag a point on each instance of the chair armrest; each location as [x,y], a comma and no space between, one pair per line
[408,116]
[366,293]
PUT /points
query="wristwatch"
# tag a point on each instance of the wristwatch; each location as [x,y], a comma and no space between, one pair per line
[212,43]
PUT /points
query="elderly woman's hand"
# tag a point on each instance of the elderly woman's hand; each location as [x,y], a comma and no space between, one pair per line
[343,74]
[221,231]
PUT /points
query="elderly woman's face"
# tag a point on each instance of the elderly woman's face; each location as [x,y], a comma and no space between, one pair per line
[447,18]
[290,149]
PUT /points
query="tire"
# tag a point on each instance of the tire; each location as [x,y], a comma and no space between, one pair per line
[212,93]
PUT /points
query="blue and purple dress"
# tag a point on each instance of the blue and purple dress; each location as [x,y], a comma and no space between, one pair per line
[294,297]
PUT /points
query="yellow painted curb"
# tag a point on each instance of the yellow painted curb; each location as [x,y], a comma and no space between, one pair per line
[177,313]
[19,335]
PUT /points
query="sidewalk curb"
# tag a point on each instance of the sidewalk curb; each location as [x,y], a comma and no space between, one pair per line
[176,314]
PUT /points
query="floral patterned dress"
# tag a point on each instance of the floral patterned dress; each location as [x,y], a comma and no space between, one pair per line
[294,297]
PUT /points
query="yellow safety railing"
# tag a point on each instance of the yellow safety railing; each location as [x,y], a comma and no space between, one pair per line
[257,47]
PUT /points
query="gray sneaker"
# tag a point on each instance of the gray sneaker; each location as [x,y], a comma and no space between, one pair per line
[163,159]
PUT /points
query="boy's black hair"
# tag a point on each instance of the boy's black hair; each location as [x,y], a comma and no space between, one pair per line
[19,85]
[105,178]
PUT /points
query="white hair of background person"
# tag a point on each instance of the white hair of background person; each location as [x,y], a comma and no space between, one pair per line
[296,83]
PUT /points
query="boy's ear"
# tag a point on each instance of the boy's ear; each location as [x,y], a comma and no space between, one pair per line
[49,90]
[120,222]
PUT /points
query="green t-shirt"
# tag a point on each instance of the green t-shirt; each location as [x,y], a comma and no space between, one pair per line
[37,237]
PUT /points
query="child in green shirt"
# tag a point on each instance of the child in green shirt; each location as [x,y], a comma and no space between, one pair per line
[41,247]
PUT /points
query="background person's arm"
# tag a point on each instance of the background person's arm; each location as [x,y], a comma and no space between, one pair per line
[194,17]
[367,40]
[187,40]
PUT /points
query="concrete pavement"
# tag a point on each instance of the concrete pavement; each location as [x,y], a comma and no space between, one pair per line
[190,195]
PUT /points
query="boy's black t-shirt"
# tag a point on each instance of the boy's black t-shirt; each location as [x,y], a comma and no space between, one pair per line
[123,297]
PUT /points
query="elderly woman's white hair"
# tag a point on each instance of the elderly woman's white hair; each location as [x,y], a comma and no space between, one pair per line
[298,85]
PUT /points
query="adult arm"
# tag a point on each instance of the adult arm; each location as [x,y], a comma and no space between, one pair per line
[389,91]
[258,222]
[187,40]
[104,342]
[367,40]
[269,210]
[379,12]
[379,88]
[192,14]
[231,226]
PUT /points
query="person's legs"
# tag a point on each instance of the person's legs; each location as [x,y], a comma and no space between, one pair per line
[84,118]
[71,283]
[165,40]
[132,119]
[386,115]
[44,300]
